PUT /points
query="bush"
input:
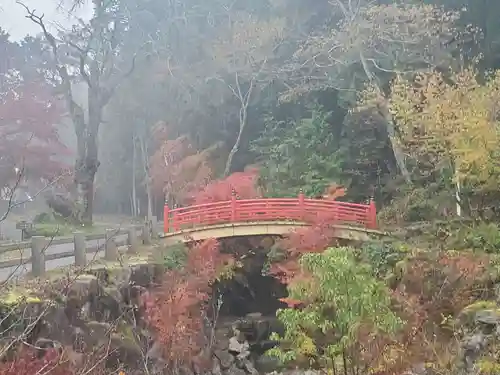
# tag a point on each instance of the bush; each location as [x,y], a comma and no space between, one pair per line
[346,314]
[383,256]
[175,256]
[485,236]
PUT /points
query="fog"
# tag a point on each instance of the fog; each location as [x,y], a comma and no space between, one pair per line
[13,17]
[231,84]
[325,170]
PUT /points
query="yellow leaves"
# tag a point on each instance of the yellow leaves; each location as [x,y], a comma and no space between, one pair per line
[306,345]
[452,117]
[247,41]
[488,366]
[389,357]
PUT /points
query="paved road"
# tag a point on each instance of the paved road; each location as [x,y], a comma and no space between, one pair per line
[22,269]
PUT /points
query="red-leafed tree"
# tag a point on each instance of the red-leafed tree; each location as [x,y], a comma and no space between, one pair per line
[60,361]
[176,309]
[178,170]
[312,239]
[28,362]
[244,185]
[29,141]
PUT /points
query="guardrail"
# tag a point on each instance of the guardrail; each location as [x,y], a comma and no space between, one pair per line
[296,209]
[39,245]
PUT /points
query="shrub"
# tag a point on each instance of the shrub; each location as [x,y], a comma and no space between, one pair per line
[346,314]
[177,311]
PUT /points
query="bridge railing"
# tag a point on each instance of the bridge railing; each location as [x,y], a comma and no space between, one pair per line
[293,209]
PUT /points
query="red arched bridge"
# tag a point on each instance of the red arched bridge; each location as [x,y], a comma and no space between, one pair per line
[270,216]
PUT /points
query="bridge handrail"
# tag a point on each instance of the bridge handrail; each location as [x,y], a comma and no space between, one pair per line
[296,209]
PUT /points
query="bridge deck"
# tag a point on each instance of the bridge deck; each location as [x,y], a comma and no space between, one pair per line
[290,210]
[258,228]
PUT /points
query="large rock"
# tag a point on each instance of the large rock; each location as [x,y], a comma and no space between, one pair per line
[481,323]
[238,348]
[225,358]
[490,319]
[84,311]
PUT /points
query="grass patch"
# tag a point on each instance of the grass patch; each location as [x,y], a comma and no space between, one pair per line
[63,229]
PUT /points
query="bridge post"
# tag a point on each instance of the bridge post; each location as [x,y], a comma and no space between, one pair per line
[233,205]
[372,215]
[302,212]
[166,212]
[175,224]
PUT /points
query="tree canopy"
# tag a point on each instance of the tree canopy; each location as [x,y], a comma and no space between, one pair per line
[245,84]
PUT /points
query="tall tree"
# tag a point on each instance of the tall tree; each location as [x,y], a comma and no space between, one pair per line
[29,141]
[241,52]
[450,127]
[93,50]
[373,41]
[299,155]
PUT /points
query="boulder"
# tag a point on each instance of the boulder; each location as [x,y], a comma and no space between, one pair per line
[225,358]
[238,348]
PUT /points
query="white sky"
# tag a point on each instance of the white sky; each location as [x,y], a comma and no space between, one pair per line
[12,16]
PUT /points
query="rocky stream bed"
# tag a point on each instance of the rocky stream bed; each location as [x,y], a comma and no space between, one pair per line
[101,307]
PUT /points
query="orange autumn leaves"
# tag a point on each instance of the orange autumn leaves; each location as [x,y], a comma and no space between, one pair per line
[177,169]
[185,175]
[312,239]
[176,310]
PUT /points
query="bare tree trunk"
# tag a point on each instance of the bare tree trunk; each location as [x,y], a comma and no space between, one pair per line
[102,83]
[85,170]
[145,159]
[134,191]
[458,192]
[87,161]
[234,150]
[388,120]
[244,100]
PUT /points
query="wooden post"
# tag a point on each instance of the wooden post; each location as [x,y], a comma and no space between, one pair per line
[166,213]
[146,234]
[233,205]
[80,253]
[302,208]
[372,215]
[38,247]
[132,240]
[110,249]
[154,226]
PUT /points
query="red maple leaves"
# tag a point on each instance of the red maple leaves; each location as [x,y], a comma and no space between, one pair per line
[178,170]
[184,174]
[27,362]
[244,185]
[312,239]
[176,310]
[29,140]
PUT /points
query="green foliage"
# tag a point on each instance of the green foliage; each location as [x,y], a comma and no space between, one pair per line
[485,237]
[61,228]
[275,254]
[383,256]
[488,367]
[43,217]
[175,256]
[341,297]
[299,154]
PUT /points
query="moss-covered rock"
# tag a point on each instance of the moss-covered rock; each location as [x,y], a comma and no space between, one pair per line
[82,308]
